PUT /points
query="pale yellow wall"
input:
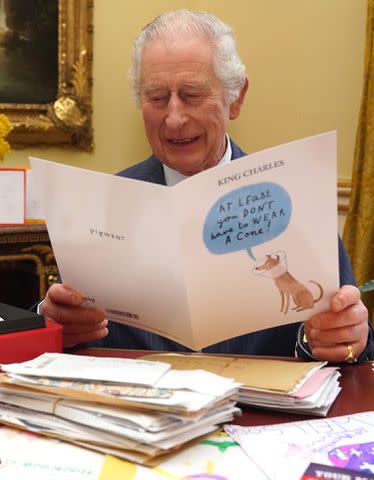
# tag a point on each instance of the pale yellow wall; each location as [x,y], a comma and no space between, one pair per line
[304,60]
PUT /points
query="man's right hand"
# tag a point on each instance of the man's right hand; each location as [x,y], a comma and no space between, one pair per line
[64,306]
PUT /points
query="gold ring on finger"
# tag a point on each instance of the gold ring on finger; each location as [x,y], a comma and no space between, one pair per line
[350,355]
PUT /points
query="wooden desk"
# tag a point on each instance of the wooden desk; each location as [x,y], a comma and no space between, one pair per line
[357,393]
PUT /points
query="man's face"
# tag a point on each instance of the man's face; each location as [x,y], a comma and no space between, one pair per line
[184,109]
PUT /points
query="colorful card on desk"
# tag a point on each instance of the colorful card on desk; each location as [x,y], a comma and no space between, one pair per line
[284,451]
[216,457]
[14,319]
[26,455]
[316,471]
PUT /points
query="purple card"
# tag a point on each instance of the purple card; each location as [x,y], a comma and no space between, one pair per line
[316,471]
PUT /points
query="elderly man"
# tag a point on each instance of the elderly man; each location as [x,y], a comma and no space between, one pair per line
[190,81]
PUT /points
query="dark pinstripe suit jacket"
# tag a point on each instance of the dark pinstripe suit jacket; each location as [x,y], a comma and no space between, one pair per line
[274,341]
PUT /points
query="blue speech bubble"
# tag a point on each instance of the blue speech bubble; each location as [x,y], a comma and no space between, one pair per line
[246,217]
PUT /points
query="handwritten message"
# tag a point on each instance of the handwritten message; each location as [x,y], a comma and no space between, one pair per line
[246,217]
[343,442]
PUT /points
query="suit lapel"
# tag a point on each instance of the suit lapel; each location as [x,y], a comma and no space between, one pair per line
[236,151]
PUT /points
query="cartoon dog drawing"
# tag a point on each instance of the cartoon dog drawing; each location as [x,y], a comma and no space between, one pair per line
[288,286]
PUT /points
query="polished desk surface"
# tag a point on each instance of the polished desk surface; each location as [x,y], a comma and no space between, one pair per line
[357,394]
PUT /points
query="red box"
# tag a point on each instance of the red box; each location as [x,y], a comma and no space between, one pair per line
[28,344]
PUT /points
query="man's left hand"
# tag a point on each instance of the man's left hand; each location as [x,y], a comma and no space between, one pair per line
[340,334]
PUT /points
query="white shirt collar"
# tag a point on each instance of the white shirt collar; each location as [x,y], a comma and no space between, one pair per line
[172,177]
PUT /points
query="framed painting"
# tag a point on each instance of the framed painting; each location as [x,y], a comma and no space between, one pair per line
[46,71]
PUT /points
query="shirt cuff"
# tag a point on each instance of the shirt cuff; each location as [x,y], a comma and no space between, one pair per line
[38,308]
[302,349]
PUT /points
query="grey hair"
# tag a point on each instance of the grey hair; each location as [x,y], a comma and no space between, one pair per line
[227,64]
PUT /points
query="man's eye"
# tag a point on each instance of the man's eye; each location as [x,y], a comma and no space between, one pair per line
[158,99]
[192,97]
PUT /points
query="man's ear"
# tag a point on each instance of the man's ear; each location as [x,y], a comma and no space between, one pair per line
[236,106]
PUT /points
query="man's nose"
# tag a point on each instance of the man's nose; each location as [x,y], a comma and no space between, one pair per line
[176,115]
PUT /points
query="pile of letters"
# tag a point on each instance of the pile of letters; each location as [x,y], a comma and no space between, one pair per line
[136,409]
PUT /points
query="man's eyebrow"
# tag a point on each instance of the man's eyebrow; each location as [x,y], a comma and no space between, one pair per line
[149,90]
[195,84]
[201,86]
[152,88]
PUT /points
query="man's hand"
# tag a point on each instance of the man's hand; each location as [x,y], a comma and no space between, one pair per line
[340,334]
[63,305]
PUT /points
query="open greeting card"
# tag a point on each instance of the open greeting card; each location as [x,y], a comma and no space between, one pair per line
[234,249]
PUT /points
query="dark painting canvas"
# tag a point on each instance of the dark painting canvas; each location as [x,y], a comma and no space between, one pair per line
[28,51]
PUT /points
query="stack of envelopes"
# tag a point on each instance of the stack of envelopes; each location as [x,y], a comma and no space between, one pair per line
[135,409]
[301,387]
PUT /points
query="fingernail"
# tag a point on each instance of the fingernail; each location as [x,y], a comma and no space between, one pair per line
[315,352]
[104,332]
[338,304]
[313,333]
[76,299]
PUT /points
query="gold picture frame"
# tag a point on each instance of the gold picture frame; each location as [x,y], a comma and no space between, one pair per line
[67,121]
